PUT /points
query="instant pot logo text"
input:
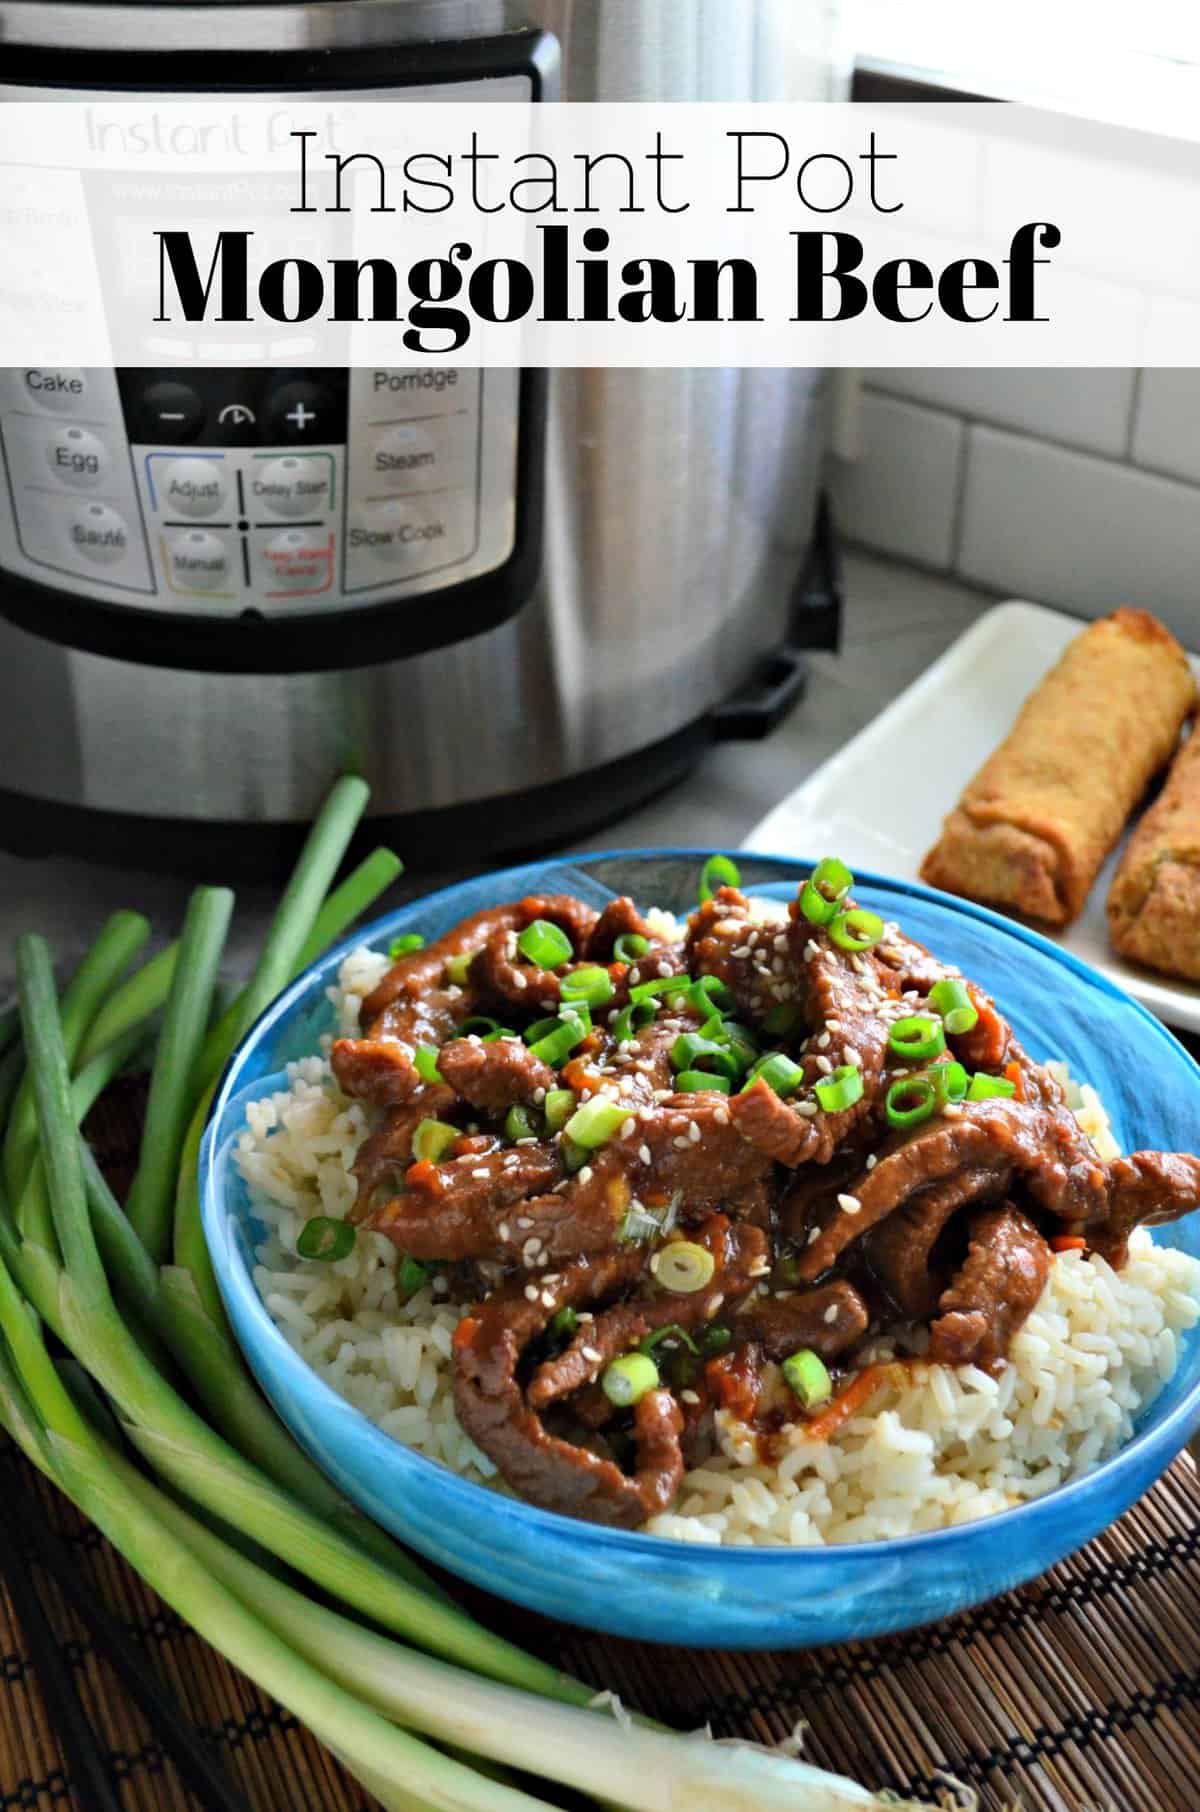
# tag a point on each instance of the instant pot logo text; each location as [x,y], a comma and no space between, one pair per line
[571,272]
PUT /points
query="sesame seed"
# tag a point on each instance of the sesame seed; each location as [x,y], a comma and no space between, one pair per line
[694,1134]
[833,1025]
[812,950]
[850,1203]
[586,1315]
[830,1315]
[454,993]
[482,1172]
[523,1221]
[547,1299]
[851,1056]
[585,1175]
[682,1143]
[952,1110]
[590,1354]
[807,1109]
[781,943]
[813,1237]
[872,1161]
[688,1396]
[628,1127]
[824,1041]
[825,1067]
[645,1154]
[715,1304]
[721,1116]
[531,1292]
[519,981]
[502,1230]
[539,1095]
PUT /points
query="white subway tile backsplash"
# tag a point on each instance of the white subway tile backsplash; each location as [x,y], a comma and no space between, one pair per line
[901,496]
[1088,534]
[1086,408]
[1167,426]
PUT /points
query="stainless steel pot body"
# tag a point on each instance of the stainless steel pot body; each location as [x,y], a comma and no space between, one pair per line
[679,504]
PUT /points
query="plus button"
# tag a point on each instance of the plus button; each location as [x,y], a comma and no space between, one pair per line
[301,416]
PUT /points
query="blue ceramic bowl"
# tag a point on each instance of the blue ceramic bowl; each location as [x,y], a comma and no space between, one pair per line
[644,1586]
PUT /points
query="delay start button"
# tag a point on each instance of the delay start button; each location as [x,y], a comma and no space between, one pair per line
[77,458]
[98,533]
[191,487]
[298,484]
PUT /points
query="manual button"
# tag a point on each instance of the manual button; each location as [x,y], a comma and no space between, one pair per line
[191,487]
[197,560]
[298,484]
[77,458]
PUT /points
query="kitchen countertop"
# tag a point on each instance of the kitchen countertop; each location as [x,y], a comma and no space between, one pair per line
[897,622]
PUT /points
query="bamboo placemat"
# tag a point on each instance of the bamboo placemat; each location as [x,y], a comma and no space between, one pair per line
[1080,1692]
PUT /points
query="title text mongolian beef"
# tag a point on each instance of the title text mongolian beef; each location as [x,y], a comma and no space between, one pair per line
[759,1227]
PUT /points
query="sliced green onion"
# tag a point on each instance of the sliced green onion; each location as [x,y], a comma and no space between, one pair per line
[574,1156]
[664,985]
[808,1376]
[856,930]
[691,1052]
[519,1123]
[558,1107]
[671,1332]
[951,999]
[816,910]
[323,1237]
[783,1019]
[910,1102]
[917,1038]
[432,1140]
[404,946]
[715,1339]
[458,969]
[596,1122]
[565,1323]
[544,945]
[708,993]
[631,1019]
[990,1088]
[592,986]
[778,1072]
[628,1379]
[630,947]
[832,879]
[696,1082]
[683,1267]
[950,1080]
[411,1277]
[425,1063]
[738,1039]
[478,1026]
[718,871]
[569,1032]
[837,1092]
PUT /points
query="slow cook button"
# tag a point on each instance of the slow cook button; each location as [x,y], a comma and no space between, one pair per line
[299,484]
[416,534]
[77,458]
[98,533]
[298,560]
[190,487]
[197,560]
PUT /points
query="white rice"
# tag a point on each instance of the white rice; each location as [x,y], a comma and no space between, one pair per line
[939,1446]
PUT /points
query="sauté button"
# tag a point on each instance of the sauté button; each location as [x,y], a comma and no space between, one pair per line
[170,413]
[61,388]
[98,533]
[198,560]
[295,485]
[190,487]
[77,458]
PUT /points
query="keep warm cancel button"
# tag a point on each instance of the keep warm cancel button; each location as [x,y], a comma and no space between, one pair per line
[412,535]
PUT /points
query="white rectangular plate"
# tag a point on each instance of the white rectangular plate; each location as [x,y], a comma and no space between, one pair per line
[880,801]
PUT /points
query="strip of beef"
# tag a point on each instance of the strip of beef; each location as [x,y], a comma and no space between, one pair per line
[752,960]
[386,1152]
[495,1077]
[501,975]
[995,1292]
[458,1210]
[911,968]
[1046,1147]
[540,1466]
[740,1252]
[899,1249]
[830,1320]
[375,1070]
[1147,1189]
[705,1168]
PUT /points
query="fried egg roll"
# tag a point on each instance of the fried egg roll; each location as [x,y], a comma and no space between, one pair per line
[1154,901]
[1034,827]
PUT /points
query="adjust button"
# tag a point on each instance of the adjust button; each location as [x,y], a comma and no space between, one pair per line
[77,458]
[98,533]
[298,484]
[190,487]
[197,560]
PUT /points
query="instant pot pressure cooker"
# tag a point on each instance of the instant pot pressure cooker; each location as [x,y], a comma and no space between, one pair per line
[516,601]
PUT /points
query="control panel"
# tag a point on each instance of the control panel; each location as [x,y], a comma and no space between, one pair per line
[227,492]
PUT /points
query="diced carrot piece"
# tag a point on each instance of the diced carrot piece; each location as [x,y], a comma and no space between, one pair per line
[859,1391]
[1068,1242]
[465,1332]
[425,1177]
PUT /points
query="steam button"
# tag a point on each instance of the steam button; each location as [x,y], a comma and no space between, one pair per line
[77,458]
[98,533]
[198,560]
[298,484]
[191,487]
